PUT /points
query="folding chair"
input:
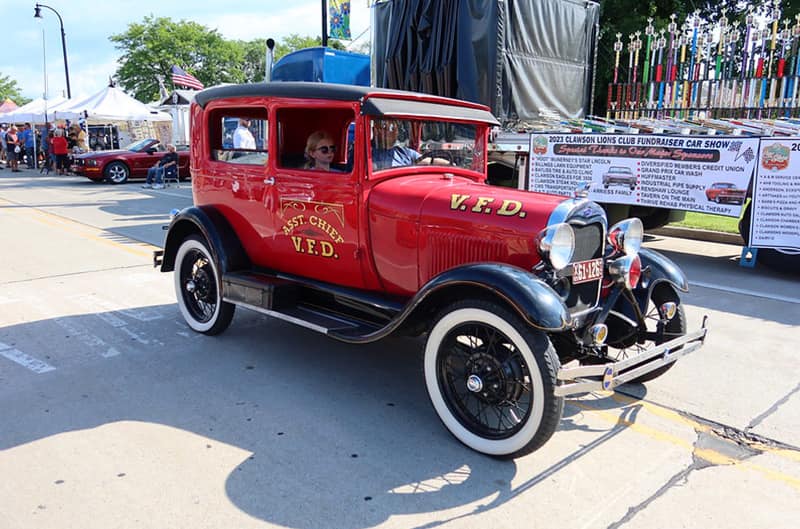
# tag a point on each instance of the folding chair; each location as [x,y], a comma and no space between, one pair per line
[171,176]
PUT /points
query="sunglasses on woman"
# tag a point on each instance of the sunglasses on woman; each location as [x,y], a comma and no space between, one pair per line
[327,148]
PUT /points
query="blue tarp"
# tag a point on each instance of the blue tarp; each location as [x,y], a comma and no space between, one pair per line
[324,65]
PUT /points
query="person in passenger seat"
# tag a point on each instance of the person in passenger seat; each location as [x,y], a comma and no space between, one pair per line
[320,151]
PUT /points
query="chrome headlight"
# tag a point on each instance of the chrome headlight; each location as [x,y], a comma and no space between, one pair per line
[556,244]
[626,236]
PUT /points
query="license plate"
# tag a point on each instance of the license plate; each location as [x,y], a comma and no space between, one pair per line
[585,271]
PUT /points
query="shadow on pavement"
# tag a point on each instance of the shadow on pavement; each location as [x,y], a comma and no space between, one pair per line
[333,434]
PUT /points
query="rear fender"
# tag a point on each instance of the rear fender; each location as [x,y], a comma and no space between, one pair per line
[223,243]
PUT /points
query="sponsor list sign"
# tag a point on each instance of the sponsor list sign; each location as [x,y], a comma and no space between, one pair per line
[690,173]
[776,201]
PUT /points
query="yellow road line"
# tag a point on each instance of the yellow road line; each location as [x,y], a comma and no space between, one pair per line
[676,417]
[712,456]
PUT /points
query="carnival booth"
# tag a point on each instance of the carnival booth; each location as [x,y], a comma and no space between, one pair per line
[114,118]
[7,106]
[32,112]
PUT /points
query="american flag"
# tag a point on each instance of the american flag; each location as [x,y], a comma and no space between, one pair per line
[184,78]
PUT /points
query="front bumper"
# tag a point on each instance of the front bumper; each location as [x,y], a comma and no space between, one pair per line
[607,377]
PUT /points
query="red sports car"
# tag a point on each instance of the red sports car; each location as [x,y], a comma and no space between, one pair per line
[133,161]
[725,192]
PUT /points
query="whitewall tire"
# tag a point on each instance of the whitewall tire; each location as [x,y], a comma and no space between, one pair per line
[490,377]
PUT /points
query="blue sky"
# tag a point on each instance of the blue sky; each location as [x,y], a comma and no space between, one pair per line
[88,24]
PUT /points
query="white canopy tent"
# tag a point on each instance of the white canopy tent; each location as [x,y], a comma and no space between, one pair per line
[109,104]
[33,112]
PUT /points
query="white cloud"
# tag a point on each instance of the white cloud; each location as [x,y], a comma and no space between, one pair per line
[88,25]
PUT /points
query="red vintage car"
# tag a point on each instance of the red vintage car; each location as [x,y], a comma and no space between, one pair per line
[132,162]
[366,214]
[727,192]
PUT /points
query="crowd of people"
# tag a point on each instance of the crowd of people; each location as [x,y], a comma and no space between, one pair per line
[48,147]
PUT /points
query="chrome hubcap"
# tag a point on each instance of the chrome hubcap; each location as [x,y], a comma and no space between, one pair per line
[474,383]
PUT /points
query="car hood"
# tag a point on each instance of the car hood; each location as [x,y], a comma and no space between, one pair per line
[458,202]
[103,154]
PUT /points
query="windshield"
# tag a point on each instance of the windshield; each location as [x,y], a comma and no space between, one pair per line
[140,145]
[409,142]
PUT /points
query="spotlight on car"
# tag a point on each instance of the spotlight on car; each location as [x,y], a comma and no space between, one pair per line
[668,310]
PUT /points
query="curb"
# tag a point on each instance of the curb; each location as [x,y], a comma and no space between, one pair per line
[699,235]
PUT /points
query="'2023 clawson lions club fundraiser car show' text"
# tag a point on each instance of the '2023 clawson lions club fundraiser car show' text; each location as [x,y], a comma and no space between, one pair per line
[522,298]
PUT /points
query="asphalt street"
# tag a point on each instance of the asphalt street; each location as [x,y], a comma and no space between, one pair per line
[113,414]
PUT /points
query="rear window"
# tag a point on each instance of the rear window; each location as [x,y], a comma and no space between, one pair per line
[239,135]
[316,139]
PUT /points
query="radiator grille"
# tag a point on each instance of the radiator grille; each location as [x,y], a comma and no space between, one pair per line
[588,245]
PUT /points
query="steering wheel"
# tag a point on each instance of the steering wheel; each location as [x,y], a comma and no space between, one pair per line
[437,153]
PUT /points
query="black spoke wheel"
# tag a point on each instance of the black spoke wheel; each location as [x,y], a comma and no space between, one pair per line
[491,377]
[197,288]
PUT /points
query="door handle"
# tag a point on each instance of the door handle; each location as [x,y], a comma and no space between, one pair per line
[269,181]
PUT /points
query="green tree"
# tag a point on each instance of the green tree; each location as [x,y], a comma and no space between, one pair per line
[254,57]
[296,42]
[152,47]
[9,89]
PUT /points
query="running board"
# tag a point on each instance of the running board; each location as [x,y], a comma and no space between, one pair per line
[284,299]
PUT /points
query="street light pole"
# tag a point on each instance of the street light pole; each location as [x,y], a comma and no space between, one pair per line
[37,13]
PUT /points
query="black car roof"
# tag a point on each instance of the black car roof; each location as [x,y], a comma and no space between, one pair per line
[341,92]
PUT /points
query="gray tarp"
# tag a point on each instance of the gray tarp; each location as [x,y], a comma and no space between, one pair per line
[518,57]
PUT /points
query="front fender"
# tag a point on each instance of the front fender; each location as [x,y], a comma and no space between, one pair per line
[531,297]
[661,269]
[213,226]
[656,269]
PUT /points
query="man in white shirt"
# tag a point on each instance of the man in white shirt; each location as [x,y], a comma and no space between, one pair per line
[242,137]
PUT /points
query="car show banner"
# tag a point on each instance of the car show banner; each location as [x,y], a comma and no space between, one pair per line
[706,174]
[776,197]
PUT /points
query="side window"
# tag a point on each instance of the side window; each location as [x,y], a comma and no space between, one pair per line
[239,135]
[316,139]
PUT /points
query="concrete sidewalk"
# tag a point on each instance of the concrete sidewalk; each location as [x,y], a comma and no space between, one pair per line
[699,235]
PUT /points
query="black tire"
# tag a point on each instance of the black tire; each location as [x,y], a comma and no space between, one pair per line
[652,218]
[117,173]
[491,377]
[673,329]
[197,287]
